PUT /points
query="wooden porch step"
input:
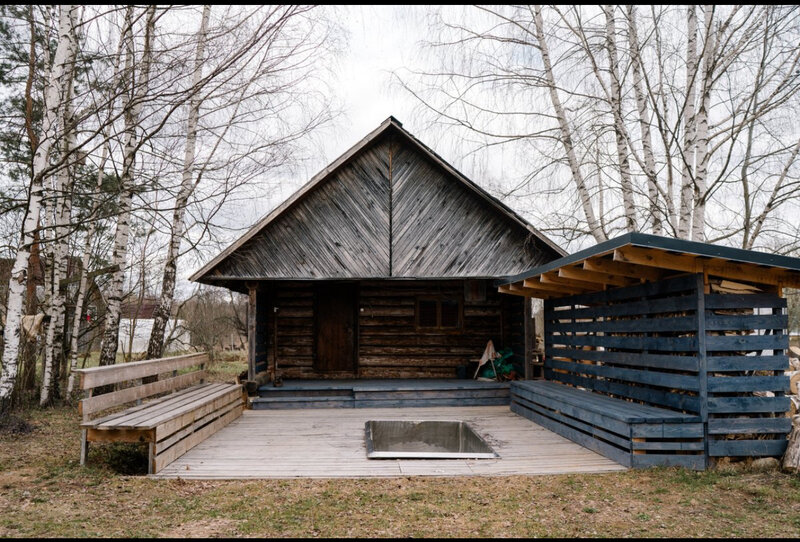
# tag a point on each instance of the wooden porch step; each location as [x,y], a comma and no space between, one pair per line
[303,401]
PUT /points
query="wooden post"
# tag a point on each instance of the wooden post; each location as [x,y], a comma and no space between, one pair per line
[530,339]
[252,290]
[703,359]
[84,447]
[85,432]
[151,459]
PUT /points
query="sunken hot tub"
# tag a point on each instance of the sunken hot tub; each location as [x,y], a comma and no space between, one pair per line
[424,440]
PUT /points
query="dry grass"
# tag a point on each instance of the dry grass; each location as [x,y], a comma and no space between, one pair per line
[44,492]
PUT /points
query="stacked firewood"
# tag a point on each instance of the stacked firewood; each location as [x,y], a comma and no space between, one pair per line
[791,459]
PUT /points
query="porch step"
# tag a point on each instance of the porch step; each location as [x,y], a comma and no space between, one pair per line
[381,394]
[303,401]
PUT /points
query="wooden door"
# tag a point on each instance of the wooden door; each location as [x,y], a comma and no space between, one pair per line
[335,314]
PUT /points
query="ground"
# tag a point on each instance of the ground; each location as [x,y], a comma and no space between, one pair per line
[45,492]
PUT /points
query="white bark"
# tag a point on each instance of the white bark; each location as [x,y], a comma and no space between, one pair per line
[703,156]
[60,251]
[57,84]
[566,135]
[84,282]
[689,128]
[771,202]
[619,123]
[132,110]
[644,122]
[155,347]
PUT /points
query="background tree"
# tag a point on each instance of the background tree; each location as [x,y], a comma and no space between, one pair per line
[661,119]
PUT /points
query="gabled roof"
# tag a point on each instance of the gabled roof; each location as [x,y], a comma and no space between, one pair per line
[638,257]
[389,126]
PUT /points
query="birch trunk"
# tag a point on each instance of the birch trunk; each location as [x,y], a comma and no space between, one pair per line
[53,101]
[84,282]
[644,122]
[688,151]
[132,111]
[619,123]
[60,253]
[566,135]
[776,191]
[703,156]
[155,347]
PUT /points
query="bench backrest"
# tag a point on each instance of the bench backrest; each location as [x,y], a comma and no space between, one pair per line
[133,373]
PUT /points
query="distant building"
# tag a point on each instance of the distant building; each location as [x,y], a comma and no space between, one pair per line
[136,323]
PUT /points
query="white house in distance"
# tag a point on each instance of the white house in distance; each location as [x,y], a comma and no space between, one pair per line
[136,323]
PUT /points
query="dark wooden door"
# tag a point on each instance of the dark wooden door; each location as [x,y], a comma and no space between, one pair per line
[336,328]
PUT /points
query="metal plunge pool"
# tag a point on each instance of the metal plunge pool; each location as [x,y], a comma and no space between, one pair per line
[424,440]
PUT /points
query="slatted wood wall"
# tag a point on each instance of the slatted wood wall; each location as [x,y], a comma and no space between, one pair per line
[670,344]
[389,343]
[746,345]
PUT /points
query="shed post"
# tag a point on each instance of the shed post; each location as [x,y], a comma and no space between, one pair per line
[252,319]
[530,340]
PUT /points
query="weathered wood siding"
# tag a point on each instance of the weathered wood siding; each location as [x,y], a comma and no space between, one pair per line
[388,341]
[338,230]
[389,212]
[441,228]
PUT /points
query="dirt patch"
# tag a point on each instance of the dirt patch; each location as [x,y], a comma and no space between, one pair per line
[204,528]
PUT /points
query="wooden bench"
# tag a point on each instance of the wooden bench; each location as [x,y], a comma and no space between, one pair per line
[171,424]
[630,433]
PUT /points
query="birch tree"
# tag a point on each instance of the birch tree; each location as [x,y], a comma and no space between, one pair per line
[163,310]
[54,101]
[136,91]
[692,100]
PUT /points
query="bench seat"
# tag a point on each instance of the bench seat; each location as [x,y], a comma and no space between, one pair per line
[630,433]
[170,424]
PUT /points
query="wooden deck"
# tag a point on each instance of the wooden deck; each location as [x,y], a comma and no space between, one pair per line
[329,443]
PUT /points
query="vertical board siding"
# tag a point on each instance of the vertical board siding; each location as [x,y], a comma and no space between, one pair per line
[389,343]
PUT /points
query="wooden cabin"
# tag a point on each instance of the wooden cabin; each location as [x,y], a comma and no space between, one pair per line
[382,266]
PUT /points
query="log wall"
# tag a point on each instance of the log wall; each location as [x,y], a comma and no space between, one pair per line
[389,344]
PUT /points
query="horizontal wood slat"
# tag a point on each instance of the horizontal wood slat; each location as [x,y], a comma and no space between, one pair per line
[113,374]
[99,403]
[657,361]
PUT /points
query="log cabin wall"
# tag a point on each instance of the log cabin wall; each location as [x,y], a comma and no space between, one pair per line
[390,341]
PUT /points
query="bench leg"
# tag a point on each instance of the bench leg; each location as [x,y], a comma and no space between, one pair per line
[151,460]
[84,447]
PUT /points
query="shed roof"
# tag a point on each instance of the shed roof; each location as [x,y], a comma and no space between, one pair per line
[637,257]
[361,218]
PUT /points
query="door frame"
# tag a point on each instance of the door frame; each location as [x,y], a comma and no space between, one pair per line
[356,293]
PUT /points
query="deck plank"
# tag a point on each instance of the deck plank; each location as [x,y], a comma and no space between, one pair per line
[329,443]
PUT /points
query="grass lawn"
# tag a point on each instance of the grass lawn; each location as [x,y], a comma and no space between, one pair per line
[45,492]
